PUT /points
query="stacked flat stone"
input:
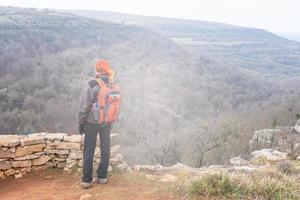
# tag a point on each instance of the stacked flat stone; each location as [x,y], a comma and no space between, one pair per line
[20,154]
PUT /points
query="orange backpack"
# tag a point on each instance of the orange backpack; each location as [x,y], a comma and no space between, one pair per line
[107,107]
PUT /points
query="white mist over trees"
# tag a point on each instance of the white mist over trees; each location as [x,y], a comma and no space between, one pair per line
[180,104]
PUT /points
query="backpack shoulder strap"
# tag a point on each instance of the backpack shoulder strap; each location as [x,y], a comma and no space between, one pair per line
[102,92]
[100,82]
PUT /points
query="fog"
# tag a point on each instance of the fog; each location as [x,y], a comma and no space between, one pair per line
[275,16]
[196,103]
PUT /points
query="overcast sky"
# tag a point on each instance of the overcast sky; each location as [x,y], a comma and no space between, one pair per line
[273,15]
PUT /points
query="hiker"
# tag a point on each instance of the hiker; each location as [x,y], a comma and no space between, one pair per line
[99,108]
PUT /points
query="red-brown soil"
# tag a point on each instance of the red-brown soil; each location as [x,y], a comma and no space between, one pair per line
[55,185]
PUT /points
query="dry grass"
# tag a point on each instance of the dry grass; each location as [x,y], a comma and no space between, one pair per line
[268,185]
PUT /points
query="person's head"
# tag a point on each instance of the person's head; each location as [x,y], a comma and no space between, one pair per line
[102,69]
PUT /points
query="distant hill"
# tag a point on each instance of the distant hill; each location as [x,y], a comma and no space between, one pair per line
[291,36]
[173,27]
[195,100]
[248,47]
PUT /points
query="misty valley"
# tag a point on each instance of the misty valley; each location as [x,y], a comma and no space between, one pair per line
[193,92]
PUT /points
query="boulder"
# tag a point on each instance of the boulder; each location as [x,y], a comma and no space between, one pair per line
[41,160]
[25,141]
[6,153]
[264,136]
[28,150]
[269,155]
[73,138]
[9,140]
[21,164]
[5,165]
[297,126]
[282,139]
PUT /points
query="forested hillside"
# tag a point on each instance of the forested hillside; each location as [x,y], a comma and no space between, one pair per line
[250,48]
[180,104]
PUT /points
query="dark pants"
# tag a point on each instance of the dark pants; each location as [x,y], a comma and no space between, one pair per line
[90,139]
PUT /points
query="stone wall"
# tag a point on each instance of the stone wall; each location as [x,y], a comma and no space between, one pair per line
[20,154]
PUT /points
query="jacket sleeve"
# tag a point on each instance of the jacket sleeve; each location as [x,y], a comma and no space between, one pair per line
[85,105]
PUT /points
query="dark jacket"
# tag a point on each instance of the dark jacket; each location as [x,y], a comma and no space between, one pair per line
[88,98]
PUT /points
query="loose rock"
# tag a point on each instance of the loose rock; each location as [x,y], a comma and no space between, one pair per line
[41,160]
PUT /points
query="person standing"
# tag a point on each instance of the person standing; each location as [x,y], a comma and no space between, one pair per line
[99,108]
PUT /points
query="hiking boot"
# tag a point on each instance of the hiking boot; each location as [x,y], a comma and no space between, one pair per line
[85,185]
[100,180]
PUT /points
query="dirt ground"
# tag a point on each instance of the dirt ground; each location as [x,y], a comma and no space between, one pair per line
[56,185]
